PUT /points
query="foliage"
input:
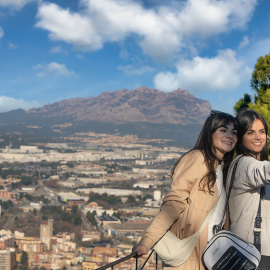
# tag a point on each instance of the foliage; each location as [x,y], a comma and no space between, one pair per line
[91,217]
[77,221]
[12,172]
[262,106]
[66,217]
[50,209]
[74,210]
[260,81]
[147,196]
[24,260]
[26,180]
[5,204]
[242,103]
[112,200]
[117,215]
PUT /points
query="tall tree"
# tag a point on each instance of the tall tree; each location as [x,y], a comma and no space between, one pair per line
[260,81]
[262,106]
[242,103]
[24,260]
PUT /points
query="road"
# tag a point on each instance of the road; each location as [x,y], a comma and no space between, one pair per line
[10,221]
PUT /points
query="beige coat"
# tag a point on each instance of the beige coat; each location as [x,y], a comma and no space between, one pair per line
[185,206]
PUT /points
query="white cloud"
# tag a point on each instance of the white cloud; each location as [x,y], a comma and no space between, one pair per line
[244,43]
[12,46]
[10,103]
[57,49]
[130,70]
[16,4]
[223,72]
[54,69]
[1,32]
[161,32]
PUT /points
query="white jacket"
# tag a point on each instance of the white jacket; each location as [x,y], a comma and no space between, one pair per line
[244,200]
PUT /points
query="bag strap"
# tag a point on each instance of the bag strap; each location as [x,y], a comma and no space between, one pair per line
[206,220]
[218,227]
[257,226]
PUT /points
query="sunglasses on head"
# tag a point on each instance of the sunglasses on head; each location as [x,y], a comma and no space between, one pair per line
[214,112]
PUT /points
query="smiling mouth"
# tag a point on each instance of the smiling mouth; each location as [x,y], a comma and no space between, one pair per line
[257,144]
[228,143]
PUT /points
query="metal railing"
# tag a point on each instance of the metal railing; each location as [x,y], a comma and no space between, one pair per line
[132,255]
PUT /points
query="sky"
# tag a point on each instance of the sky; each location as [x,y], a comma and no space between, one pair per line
[62,49]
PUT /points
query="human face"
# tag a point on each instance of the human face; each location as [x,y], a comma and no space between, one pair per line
[255,138]
[224,140]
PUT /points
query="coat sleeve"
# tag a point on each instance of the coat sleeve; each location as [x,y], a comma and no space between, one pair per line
[252,174]
[188,172]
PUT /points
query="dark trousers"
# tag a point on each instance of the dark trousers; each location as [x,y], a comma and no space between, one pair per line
[265,263]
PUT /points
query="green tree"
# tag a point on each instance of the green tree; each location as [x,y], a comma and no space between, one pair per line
[260,81]
[24,260]
[262,106]
[74,210]
[242,103]
[35,211]
[77,220]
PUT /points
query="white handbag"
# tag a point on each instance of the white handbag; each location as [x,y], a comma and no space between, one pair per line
[174,251]
[227,250]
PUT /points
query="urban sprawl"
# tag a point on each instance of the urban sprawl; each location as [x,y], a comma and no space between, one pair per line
[80,205]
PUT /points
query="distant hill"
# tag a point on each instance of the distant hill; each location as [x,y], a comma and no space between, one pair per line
[145,112]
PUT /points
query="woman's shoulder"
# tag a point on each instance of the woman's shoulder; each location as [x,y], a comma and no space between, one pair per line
[194,155]
[244,160]
[192,158]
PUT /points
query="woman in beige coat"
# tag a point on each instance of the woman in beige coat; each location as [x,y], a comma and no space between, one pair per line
[197,183]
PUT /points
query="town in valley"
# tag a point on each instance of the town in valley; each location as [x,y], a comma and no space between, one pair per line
[80,202]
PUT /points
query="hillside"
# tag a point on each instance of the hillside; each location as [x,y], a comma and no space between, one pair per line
[144,112]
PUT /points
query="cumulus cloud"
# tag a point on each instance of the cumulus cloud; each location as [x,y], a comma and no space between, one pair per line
[244,43]
[160,32]
[16,4]
[10,103]
[1,32]
[54,69]
[223,72]
[130,70]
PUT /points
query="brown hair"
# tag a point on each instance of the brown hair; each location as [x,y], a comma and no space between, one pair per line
[205,145]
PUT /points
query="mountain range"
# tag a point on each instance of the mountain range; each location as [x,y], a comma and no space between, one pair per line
[144,112]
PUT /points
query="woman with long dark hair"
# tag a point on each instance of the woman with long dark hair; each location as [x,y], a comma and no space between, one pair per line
[249,203]
[197,184]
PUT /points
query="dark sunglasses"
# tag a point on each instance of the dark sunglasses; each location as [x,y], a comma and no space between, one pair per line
[214,112]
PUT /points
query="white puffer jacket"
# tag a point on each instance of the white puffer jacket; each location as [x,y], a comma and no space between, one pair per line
[244,200]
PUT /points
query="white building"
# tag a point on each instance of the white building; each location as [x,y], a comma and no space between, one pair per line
[110,191]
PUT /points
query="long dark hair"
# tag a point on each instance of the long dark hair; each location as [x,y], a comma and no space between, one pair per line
[245,119]
[205,145]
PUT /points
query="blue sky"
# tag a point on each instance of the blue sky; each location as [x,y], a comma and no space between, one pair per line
[54,50]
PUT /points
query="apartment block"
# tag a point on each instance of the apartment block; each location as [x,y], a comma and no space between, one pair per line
[5,194]
[7,259]
[7,241]
[31,244]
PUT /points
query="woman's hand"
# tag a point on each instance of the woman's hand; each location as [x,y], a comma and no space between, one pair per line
[140,249]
